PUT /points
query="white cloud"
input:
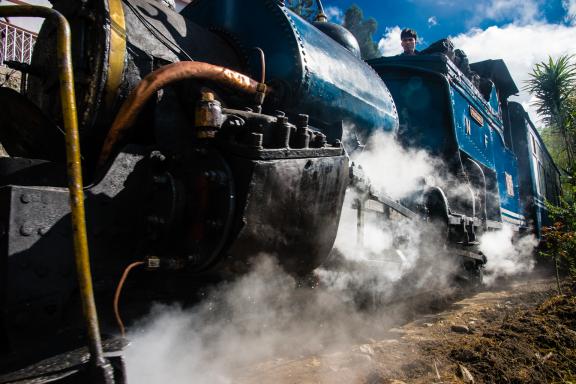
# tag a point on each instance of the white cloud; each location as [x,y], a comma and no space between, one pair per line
[520,46]
[517,11]
[389,44]
[334,14]
[570,7]
[432,21]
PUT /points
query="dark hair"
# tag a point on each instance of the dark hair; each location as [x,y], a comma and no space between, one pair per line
[407,33]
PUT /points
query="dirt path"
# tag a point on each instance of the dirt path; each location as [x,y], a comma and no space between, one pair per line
[432,348]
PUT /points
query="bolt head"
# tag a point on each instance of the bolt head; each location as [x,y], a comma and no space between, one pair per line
[26,230]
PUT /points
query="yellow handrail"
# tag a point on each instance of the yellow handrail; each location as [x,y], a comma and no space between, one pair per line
[74,167]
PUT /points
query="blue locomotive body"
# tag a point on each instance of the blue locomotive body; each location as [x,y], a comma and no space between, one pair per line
[481,138]
[310,72]
[539,178]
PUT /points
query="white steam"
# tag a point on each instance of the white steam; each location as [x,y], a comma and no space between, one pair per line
[267,314]
[506,255]
[263,314]
[390,257]
[393,169]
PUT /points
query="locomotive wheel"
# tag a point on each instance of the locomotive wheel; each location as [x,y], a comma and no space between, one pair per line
[437,218]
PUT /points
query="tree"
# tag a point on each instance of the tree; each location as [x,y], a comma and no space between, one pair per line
[304,8]
[363,30]
[554,85]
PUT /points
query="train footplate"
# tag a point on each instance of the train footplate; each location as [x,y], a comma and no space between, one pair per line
[72,366]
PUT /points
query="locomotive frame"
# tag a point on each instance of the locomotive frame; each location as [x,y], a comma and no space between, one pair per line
[192,167]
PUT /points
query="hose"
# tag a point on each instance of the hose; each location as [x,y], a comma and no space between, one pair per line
[119,291]
[167,75]
[262,64]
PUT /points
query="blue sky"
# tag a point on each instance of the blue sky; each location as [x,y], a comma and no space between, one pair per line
[434,19]
[521,32]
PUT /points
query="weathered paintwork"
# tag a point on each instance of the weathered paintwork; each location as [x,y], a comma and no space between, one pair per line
[311,73]
[539,177]
[462,119]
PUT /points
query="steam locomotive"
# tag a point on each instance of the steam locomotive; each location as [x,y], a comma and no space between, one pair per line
[210,136]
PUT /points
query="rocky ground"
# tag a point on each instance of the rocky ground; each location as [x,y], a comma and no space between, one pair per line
[519,332]
[9,78]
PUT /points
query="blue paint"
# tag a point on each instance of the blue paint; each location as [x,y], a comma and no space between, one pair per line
[539,177]
[311,73]
[470,125]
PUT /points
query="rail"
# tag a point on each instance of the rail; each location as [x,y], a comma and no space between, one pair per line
[16,44]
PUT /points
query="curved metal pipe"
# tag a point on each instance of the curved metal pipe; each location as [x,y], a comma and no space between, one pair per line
[167,75]
[262,64]
[74,167]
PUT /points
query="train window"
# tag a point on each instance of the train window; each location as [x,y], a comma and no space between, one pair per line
[467,125]
[509,184]
[541,180]
[533,144]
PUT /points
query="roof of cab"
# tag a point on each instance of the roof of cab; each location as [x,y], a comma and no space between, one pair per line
[500,75]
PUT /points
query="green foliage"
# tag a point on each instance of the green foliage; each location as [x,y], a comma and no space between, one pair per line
[554,85]
[304,8]
[559,240]
[363,30]
[555,145]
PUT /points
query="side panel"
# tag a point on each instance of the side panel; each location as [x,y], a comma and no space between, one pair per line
[310,71]
[540,179]
[425,121]
[507,173]
[473,131]
[480,139]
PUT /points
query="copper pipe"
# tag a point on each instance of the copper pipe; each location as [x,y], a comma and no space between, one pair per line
[167,75]
[69,114]
[262,64]
[19,2]
[117,295]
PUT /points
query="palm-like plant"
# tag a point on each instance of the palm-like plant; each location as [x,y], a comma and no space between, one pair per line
[554,85]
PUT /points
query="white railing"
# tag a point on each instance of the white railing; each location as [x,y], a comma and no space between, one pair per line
[16,44]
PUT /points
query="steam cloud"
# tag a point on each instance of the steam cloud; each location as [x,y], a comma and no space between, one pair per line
[268,314]
[394,254]
[262,315]
[505,256]
[395,170]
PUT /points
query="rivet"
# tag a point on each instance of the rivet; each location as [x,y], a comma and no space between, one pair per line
[26,230]
[25,198]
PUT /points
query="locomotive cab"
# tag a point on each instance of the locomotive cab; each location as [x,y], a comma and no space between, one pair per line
[443,112]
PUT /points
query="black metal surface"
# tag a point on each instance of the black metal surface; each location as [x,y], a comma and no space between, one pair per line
[39,309]
[69,367]
[24,171]
[155,35]
[290,209]
[37,265]
[26,131]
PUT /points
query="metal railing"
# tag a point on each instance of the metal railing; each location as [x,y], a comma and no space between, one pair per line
[16,44]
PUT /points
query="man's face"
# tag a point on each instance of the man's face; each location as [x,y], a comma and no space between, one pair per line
[409,45]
